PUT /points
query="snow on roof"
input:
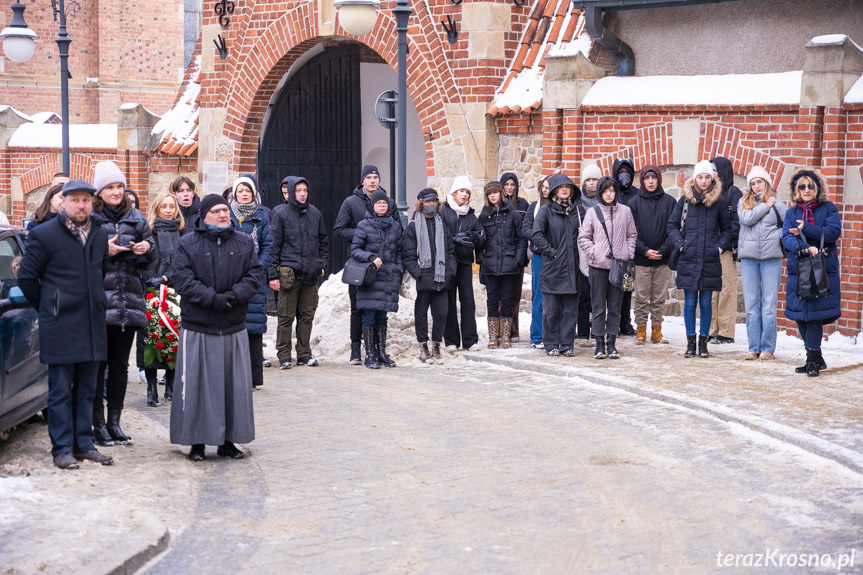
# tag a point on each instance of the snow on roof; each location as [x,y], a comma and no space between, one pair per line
[731,89]
[50,136]
[833,39]
[4,107]
[179,126]
[855,94]
[45,118]
[553,28]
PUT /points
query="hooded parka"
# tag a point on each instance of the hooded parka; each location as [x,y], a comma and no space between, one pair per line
[383,295]
[707,228]
[621,231]
[300,239]
[504,249]
[651,211]
[257,227]
[624,193]
[520,203]
[732,195]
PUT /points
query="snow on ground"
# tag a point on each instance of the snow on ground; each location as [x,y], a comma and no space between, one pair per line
[50,136]
[733,89]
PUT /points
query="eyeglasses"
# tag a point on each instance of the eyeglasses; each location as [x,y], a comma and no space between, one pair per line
[219,211]
[802,187]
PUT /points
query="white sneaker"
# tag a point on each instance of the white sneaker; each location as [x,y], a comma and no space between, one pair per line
[474,347]
[268,363]
[142,376]
[452,348]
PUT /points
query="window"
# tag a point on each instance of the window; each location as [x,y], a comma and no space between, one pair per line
[10,260]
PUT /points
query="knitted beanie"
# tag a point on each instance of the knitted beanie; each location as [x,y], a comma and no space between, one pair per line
[369,169]
[591,172]
[460,183]
[758,172]
[107,173]
[209,202]
[704,167]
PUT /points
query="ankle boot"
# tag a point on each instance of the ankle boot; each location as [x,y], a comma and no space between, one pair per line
[610,349]
[117,434]
[640,335]
[436,352]
[371,352]
[600,347]
[100,433]
[169,384]
[493,332]
[656,334]
[804,368]
[355,353]
[381,337]
[702,346]
[152,394]
[425,356]
[505,335]
[813,365]
[690,346]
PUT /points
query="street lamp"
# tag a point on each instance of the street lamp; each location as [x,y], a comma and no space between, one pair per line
[358,17]
[19,45]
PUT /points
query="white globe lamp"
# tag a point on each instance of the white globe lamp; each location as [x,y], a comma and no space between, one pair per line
[357,17]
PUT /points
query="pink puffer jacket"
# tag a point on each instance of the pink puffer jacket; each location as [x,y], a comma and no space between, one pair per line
[621,230]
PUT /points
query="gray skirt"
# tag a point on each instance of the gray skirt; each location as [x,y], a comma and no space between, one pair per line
[212,400]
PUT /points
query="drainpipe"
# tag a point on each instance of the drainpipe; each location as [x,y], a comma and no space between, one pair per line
[625,55]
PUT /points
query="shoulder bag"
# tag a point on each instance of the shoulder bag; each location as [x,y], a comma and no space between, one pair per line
[675,253]
[622,272]
[357,273]
[812,282]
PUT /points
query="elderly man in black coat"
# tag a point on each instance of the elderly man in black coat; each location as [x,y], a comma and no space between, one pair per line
[62,276]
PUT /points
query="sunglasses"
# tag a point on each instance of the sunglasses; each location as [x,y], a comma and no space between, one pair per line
[802,187]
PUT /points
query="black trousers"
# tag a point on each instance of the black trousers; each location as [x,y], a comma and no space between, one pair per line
[625,307]
[438,302]
[256,354]
[500,292]
[585,309]
[356,317]
[462,282]
[559,318]
[140,336]
[119,345]
[70,406]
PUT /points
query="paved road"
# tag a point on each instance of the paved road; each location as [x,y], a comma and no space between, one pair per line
[465,468]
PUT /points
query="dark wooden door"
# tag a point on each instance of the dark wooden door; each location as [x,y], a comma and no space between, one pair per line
[314,132]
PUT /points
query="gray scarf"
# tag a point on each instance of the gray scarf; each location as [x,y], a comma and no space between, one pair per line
[424,245]
[167,237]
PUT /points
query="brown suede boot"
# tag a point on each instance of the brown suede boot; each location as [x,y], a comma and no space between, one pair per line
[640,335]
[436,352]
[493,332]
[425,356]
[505,337]
[656,334]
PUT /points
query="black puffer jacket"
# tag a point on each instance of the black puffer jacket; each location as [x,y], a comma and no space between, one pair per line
[216,274]
[732,195]
[628,192]
[521,204]
[467,223]
[410,255]
[123,284]
[555,237]
[190,213]
[651,212]
[300,239]
[707,228]
[353,211]
[383,295]
[504,249]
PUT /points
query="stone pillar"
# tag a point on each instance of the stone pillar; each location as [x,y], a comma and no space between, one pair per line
[830,69]
[135,128]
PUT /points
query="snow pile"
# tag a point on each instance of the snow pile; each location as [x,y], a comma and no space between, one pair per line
[101,136]
[524,90]
[581,44]
[45,118]
[855,94]
[730,89]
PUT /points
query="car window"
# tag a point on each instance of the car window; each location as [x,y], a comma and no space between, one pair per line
[10,260]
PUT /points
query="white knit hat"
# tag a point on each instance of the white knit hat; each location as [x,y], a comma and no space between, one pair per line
[107,173]
[460,183]
[704,167]
[248,182]
[591,172]
[758,172]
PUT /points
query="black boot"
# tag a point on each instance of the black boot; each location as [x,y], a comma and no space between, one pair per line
[100,433]
[813,362]
[822,365]
[356,358]
[152,388]
[600,347]
[690,346]
[702,346]
[610,348]
[371,353]
[381,337]
[169,384]
[117,434]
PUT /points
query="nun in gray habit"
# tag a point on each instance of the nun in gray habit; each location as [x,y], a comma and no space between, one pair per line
[216,272]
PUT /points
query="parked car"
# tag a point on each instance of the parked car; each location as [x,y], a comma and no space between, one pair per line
[23,378]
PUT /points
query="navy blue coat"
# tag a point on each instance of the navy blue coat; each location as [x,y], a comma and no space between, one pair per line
[383,295]
[707,227]
[63,281]
[827,309]
[257,226]
[504,250]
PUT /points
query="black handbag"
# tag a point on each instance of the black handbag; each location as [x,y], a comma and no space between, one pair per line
[675,253]
[357,273]
[622,273]
[779,223]
[812,282]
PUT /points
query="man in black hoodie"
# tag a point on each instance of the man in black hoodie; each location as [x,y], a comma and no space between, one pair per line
[624,172]
[301,249]
[725,301]
[184,190]
[509,182]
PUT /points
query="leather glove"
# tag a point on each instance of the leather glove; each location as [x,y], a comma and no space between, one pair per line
[155,282]
[220,302]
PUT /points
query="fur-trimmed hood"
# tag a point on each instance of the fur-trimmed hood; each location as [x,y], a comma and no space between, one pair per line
[819,182]
[710,198]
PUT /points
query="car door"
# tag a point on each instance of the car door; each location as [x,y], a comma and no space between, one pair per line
[23,379]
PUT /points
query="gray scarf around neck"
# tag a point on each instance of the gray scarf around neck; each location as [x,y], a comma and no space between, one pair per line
[424,245]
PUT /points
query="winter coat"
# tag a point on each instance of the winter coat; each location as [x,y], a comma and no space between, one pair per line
[33,224]
[732,195]
[64,282]
[504,249]
[383,295]
[467,223]
[257,226]
[624,194]
[760,233]
[300,239]
[353,211]
[123,284]
[827,309]
[621,230]
[651,211]
[216,275]
[707,228]
[190,213]
[555,237]
[410,256]
[520,204]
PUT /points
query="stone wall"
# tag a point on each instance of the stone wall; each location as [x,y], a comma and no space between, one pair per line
[522,155]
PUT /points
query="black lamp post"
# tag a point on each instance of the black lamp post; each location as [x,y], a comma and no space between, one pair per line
[19,45]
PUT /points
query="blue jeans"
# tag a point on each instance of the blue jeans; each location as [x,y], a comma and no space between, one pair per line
[760,293]
[536,311]
[374,317]
[701,298]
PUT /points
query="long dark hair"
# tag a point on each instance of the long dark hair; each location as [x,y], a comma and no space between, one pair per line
[45,206]
[127,203]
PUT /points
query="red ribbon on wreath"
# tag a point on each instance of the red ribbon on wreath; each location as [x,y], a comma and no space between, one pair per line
[163,298]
